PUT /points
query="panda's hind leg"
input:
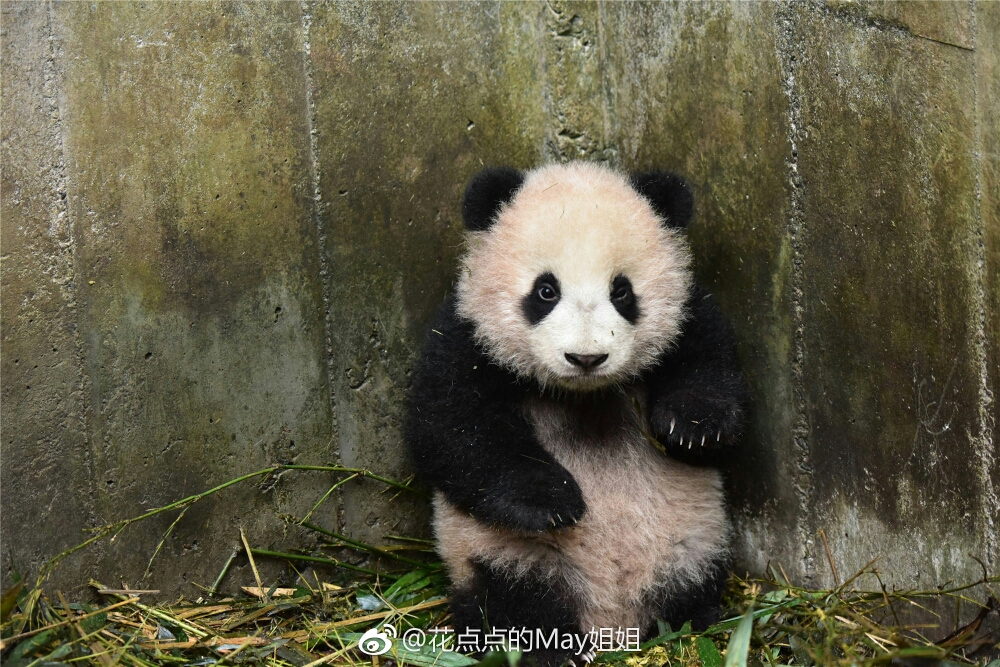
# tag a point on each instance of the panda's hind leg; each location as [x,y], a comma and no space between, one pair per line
[500,601]
[701,603]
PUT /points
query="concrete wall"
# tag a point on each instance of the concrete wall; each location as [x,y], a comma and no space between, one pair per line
[225,225]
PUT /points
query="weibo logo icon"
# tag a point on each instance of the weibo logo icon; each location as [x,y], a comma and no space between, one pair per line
[374,642]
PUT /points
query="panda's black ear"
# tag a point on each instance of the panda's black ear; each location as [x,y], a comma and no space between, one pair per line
[668,193]
[488,190]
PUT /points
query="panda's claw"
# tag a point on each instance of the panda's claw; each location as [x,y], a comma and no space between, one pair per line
[673,422]
[702,441]
[718,436]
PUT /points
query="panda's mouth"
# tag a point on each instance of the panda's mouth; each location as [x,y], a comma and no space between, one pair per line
[586,376]
[584,383]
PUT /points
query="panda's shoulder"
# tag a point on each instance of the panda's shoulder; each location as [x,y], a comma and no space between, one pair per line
[705,325]
[702,304]
[448,322]
[448,336]
[451,352]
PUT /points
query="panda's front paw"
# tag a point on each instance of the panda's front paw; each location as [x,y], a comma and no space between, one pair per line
[536,500]
[692,425]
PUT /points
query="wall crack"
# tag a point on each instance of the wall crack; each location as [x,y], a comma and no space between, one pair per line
[63,228]
[983,443]
[789,60]
[318,207]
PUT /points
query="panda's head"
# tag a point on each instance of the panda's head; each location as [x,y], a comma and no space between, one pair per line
[575,275]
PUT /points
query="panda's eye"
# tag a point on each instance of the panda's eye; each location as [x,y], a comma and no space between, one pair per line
[542,299]
[622,295]
[547,292]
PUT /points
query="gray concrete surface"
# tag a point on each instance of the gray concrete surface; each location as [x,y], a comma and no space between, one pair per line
[225,225]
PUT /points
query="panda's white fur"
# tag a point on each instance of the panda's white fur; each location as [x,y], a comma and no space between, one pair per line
[652,523]
[586,224]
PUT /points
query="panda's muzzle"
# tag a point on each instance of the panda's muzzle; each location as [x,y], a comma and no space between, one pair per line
[586,361]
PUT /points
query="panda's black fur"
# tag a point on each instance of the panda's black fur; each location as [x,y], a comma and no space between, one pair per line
[471,438]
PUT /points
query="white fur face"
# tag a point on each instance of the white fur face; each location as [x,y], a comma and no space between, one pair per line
[585,226]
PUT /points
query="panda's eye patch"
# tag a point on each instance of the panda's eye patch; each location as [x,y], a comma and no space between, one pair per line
[623,299]
[542,298]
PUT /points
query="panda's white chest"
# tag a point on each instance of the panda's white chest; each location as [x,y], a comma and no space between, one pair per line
[652,524]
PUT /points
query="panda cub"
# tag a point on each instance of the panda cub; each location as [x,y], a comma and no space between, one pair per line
[575,337]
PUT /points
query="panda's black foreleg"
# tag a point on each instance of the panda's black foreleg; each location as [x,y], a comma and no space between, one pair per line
[697,394]
[500,602]
[700,604]
[469,438]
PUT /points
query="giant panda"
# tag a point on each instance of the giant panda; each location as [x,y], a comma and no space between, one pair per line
[571,406]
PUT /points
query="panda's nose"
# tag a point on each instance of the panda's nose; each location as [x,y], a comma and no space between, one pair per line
[586,360]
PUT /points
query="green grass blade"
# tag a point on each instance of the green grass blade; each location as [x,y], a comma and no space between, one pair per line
[739,643]
[709,655]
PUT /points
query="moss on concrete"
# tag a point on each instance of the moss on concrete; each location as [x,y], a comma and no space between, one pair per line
[889,301]
[947,22]
[197,266]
